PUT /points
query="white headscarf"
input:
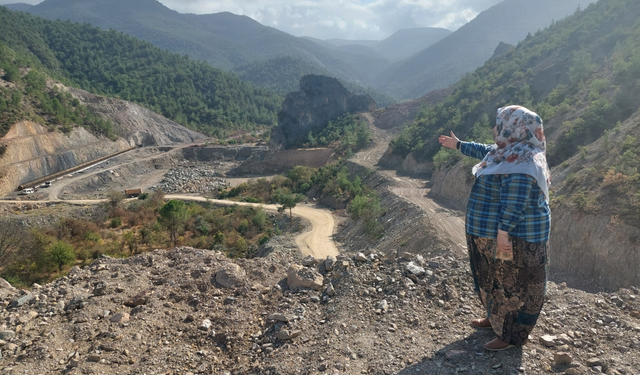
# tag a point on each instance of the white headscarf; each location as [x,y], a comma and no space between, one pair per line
[520,147]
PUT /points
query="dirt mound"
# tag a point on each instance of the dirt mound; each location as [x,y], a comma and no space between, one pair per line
[166,312]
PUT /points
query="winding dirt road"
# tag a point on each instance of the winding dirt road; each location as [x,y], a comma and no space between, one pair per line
[449,223]
[317,241]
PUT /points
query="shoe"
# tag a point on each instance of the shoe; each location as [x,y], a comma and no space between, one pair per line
[482,323]
[497,345]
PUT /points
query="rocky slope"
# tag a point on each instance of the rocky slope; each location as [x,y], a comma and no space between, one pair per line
[196,312]
[137,125]
[32,151]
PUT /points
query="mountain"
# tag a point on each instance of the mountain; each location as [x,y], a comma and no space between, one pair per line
[401,45]
[407,42]
[222,39]
[21,7]
[282,76]
[446,61]
[110,63]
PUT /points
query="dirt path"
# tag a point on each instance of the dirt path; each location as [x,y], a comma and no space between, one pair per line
[317,241]
[449,223]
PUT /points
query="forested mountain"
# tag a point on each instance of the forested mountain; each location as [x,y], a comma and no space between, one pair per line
[222,39]
[111,63]
[401,45]
[581,76]
[282,76]
[446,61]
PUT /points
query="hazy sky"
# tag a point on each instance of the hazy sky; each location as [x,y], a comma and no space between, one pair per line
[346,19]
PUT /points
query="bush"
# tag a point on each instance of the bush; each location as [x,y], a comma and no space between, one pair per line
[116,222]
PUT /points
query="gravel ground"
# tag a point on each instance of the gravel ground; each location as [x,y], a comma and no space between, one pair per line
[188,311]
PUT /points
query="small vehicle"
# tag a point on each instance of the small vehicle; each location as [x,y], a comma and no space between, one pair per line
[48,183]
[27,191]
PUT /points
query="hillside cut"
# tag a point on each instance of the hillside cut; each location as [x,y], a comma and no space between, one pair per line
[319,100]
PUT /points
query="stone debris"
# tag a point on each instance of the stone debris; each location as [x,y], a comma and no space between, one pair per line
[302,277]
[190,178]
[206,314]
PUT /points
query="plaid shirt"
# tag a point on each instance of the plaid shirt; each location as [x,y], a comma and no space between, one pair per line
[513,203]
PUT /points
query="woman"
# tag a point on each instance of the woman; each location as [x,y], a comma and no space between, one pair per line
[507,224]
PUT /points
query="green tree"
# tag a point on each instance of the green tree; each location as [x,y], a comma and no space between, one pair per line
[60,254]
[174,215]
[286,199]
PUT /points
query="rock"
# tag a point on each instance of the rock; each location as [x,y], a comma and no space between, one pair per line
[139,299]
[4,284]
[565,339]
[592,362]
[120,318]
[383,305]
[230,275]
[278,318]
[419,260]
[414,269]
[21,301]
[74,363]
[299,277]
[319,100]
[27,317]
[548,340]
[329,263]
[94,358]
[562,358]
[360,257]
[7,335]
[330,290]
[205,325]
[309,261]
[407,256]
[573,371]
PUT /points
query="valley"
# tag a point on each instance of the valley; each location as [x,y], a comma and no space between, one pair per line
[231,199]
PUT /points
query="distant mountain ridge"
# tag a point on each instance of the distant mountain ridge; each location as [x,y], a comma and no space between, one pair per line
[401,45]
[446,61]
[223,39]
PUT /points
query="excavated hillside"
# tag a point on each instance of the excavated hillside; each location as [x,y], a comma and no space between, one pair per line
[32,151]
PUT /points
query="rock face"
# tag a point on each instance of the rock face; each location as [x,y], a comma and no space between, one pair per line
[319,100]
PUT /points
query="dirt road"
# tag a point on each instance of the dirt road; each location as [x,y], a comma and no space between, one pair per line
[317,241]
[449,223]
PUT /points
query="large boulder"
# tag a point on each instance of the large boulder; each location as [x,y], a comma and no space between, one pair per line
[299,277]
[319,100]
[230,275]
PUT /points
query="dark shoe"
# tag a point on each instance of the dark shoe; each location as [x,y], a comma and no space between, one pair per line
[482,323]
[497,345]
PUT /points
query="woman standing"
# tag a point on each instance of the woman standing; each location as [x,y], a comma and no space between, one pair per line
[507,224]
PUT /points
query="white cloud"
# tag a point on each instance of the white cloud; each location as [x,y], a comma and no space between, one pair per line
[345,19]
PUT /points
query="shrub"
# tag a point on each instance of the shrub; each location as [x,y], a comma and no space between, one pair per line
[116,222]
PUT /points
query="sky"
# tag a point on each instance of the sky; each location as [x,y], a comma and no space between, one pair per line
[344,19]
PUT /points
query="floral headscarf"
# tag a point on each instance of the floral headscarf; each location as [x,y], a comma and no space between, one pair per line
[520,147]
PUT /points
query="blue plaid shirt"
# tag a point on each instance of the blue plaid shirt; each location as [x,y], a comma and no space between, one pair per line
[513,203]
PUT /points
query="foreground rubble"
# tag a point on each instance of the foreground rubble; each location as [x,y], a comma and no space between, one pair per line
[189,311]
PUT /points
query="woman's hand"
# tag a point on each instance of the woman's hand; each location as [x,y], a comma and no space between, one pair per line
[505,249]
[449,142]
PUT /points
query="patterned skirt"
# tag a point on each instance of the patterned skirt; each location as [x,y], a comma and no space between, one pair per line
[512,292]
